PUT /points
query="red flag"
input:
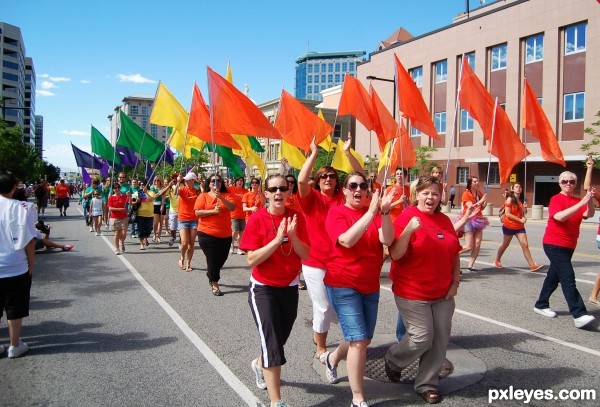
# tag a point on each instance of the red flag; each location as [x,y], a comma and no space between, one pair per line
[506,144]
[404,151]
[232,111]
[298,124]
[411,104]
[199,123]
[356,101]
[534,119]
[385,127]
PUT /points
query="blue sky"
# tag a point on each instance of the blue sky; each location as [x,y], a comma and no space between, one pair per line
[89,55]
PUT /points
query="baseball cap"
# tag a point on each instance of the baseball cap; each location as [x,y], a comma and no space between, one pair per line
[189,176]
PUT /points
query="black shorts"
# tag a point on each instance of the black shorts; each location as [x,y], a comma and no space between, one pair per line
[62,203]
[144,226]
[157,210]
[14,296]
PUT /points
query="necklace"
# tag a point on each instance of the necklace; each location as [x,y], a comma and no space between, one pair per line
[285,238]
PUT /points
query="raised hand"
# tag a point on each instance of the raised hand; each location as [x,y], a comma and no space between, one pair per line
[414,224]
[291,226]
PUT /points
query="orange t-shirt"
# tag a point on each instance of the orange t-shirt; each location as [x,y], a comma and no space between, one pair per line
[516,211]
[252,199]
[219,224]
[293,202]
[238,194]
[187,199]
[62,191]
[468,196]
[396,190]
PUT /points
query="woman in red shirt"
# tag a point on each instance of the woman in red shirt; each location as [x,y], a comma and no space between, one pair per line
[425,278]
[238,217]
[514,225]
[214,227]
[357,233]
[474,227]
[565,213]
[276,239]
[254,199]
[117,208]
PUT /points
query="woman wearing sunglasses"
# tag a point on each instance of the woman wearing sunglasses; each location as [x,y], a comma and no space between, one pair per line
[254,199]
[357,231]
[276,240]
[565,213]
[214,228]
[316,202]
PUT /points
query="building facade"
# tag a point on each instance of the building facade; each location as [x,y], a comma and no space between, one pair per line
[317,71]
[138,107]
[554,43]
[38,140]
[29,124]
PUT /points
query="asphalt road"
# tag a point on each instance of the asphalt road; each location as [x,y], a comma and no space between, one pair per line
[134,330]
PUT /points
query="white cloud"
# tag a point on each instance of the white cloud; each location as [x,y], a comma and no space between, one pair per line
[43,75]
[44,93]
[85,81]
[59,79]
[74,133]
[135,78]
[48,85]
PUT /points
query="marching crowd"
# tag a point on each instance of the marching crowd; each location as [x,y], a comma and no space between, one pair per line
[334,232]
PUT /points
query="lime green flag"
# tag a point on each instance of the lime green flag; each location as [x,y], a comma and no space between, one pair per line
[134,137]
[102,147]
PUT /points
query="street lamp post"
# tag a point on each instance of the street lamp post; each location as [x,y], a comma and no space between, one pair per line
[375,78]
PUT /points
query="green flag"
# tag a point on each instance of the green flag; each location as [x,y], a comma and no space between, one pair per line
[134,137]
[255,145]
[102,147]
[230,160]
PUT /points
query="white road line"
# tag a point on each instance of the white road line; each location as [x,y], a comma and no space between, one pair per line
[245,394]
[522,330]
[590,274]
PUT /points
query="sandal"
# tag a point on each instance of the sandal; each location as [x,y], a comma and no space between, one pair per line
[188,268]
[216,292]
[431,396]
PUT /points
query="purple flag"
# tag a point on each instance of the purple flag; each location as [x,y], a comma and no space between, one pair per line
[128,157]
[170,157]
[85,177]
[104,171]
[85,160]
[149,173]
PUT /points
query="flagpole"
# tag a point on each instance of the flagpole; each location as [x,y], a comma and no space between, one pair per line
[523,113]
[212,128]
[456,107]
[487,181]
[389,158]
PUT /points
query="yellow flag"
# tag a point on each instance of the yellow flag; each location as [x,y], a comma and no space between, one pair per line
[385,155]
[177,141]
[340,161]
[292,154]
[326,144]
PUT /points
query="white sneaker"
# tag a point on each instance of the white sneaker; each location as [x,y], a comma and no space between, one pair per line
[583,320]
[260,379]
[232,250]
[117,251]
[547,312]
[330,370]
[97,233]
[361,404]
[91,229]
[1,349]
[241,253]
[16,351]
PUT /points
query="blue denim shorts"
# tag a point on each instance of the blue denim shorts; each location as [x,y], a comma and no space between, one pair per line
[357,312]
[187,224]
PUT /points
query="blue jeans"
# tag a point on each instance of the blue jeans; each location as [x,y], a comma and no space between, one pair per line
[561,271]
[400,328]
[133,228]
[357,312]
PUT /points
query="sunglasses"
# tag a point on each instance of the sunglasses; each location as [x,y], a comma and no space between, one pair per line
[329,175]
[353,185]
[212,181]
[282,188]
[255,182]
[568,181]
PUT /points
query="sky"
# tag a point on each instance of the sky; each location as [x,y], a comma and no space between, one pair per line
[89,55]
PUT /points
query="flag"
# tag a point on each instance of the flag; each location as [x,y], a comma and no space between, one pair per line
[292,154]
[356,101]
[298,125]
[105,169]
[327,144]
[134,137]
[149,173]
[234,113]
[341,162]
[102,147]
[169,157]
[402,154]
[85,177]
[85,160]
[386,127]
[128,157]
[506,145]
[230,160]
[199,124]
[534,119]
[411,104]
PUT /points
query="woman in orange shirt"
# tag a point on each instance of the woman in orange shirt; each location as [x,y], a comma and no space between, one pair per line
[474,227]
[514,225]
[238,217]
[253,200]
[187,221]
[214,228]
[400,191]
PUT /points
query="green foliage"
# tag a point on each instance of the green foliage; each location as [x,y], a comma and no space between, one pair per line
[18,157]
[423,164]
[592,147]
[371,163]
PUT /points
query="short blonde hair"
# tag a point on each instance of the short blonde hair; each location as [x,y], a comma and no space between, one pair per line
[566,174]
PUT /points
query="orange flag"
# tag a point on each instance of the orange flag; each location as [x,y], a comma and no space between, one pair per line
[534,119]
[403,153]
[356,101]
[506,144]
[232,112]
[298,124]
[199,123]
[411,104]
[386,127]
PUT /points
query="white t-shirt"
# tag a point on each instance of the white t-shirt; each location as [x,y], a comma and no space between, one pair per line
[96,206]
[17,228]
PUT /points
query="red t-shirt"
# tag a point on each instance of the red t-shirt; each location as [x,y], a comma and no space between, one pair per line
[251,199]
[280,269]
[315,207]
[357,267]
[115,201]
[425,271]
[219,224]
[237,193]
[187,200]
[563,234]
[396,190]
[62,191]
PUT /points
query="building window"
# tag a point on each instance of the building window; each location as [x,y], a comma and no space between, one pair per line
[466,121]
[534,48]
[330,78]
[499,57]
[309,89]
[133,110]
[337,66]
[330,67]
[309,79]
[337,77]
[316,68]
[323,78]
[440,122]
[414,132]
[417,75]
[574,107]
[154,130]
[494,178]
[323,67]
[462,175]
[144,123]
[441,71]
[352,65]
[471,59]
[316,78]
[337,131]
[344,66]
[575,40]
[309,68]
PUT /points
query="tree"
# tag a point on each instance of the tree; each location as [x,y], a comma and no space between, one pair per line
[18,157]
[423,165]
[591,147]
